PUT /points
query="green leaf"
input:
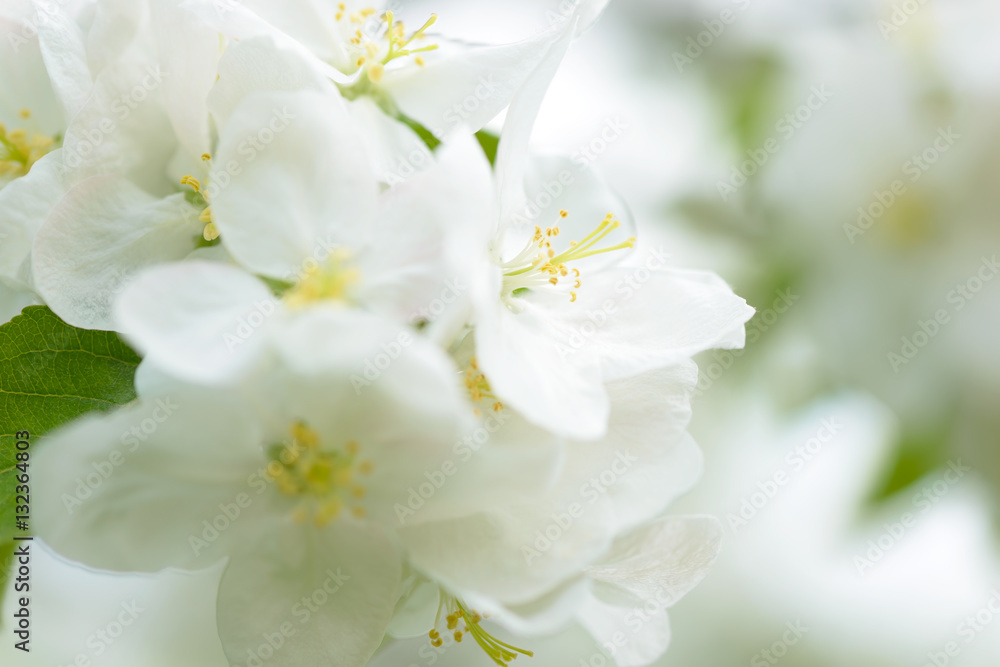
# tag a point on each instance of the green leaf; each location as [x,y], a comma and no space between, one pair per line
[490,142]
[50,374]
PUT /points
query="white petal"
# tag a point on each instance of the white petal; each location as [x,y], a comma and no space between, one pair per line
[512,153]
[396,151]
[257,64]
[637,640]
[189,50]
[655,318]
[467,89]
[197,320]
[63,47]
[130,490]
[24,206]
[417,609]
[659,562]
[650,569]
[302,181]
[302,596]
[530,366]
[98,235]
[406,272]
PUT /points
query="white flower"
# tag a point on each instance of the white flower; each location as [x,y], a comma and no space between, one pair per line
[369,52]
[294,480]
[306,211]
[555,318]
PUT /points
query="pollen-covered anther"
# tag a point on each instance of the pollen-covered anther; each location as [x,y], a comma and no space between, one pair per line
[325,480]
[478,387]
[538,264]
[331,281]
[461,621]
[21,149]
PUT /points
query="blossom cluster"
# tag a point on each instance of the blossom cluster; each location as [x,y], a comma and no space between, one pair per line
[401,375]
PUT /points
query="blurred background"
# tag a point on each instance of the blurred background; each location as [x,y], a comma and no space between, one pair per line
[838,162]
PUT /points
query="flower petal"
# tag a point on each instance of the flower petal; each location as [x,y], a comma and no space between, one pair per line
[196,320]
[300,596]
[301,151]
[97,236]
[655,318]
[25,204]
[137,489]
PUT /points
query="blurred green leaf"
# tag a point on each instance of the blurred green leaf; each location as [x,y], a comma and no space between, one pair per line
[50,374]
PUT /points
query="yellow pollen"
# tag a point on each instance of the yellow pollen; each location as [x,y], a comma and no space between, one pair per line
[20,150]
[324,480]
[206,157]
[376,72]
[192,182]
[540,266]
[331,281]
[461,621]
[478,387]
[210,232]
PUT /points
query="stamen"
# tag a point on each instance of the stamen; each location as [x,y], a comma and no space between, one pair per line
[19,150]
[330,282]
[499,651]
[326,480]
[478,387]
[539,266]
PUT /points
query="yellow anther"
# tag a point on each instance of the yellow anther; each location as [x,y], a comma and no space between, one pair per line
[360,61]
[419,60]
[206,157]
[192,182]
[572,297]
[301,468]
[210,232]
[564,214]
[376,72]
[25,114]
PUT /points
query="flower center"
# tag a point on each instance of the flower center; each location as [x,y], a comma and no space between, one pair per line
[198,197]
[390,40]
[539,266]
[325,480]
[462,621]
[479,388]
[20,149]
[331,281]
